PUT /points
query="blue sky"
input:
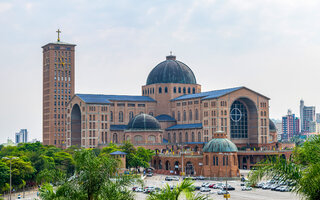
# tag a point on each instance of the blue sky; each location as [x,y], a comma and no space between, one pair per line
[269,46]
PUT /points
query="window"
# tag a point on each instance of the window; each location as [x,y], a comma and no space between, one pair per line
[207,160]
[120,116]
[173,115]
[186,137]
[192,137]
[111,116]
[189,90]
[184,115]
[238,120]
[174,90]
[160,90]
[180,137]
[174,138]
[197,115]
[184,90]
[179,89]
[193,90]
[214,161]
[151,113]
[166,90]
[190,115]
[199,137]
[130,115]
[179,116]
[169,137]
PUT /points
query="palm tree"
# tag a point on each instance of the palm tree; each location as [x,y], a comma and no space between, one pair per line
[302,171]
[186,188]
[94,179]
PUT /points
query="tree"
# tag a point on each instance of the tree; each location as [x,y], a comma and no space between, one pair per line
[186,187]
[64,162]
[93,179]
[302,171]
[4,175]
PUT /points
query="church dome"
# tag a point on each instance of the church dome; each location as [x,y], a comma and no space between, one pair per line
[144,122]
[171,71]
[220,145]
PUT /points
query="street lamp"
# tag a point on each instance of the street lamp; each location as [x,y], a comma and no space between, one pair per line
[12,158]
[226,163]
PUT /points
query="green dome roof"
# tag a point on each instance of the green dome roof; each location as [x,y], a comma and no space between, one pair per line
[220,145]
[171,71]
[144,122]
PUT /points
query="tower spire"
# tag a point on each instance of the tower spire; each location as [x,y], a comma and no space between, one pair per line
[58,31]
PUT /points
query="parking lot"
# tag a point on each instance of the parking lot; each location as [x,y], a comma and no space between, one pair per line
[254,194]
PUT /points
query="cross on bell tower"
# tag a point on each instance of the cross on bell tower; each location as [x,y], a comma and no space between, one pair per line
[58,31]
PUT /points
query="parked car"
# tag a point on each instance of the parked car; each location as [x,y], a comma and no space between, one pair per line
[266,187]
[175,178]
[205,184]
[229,187]
[197,188]
[221,192]
[205,189]
[218,186]
[200,178]
[246,188]
[168,178]
[211,185]
[134,188]
[139,189]
[149,174]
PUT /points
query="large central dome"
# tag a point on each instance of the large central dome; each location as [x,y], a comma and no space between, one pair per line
[171,71]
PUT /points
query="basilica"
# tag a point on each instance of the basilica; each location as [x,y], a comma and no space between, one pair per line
[191,131]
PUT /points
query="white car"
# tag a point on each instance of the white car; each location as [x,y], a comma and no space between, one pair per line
[220,192]
[205,184]
[246,188]
[205,189]
[139,189]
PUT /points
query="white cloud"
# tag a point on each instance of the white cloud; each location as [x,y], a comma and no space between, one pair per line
[5,7]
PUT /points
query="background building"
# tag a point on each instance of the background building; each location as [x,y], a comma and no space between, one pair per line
[307,118]
[21,136]
[290,126]
[58,88]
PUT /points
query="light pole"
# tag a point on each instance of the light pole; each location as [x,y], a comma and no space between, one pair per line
[12,158]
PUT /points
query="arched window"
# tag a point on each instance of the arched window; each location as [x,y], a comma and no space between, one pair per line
[160,90]
[142,92]
[199,137]
[151,113]
[169,137]
[193,90]
[120,116]
[174,90]
[179,89]
[180,137]
[174,138]
[207,160]
[138,139]
[192,137]
[217,160]
[152,90]
[184,115]
[165,90]
[130,115]
[238,120]
[115,138]
[190,115]
[173,115]
[179,116]
[148,90]
[197,115]
[214,160]
[189,90]
[111,116]
[187,139]
[184,90]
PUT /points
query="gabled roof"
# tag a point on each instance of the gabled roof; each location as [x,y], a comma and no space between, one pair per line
[116,127]
[184,126]
[105,99]
[165,118]
[212,94]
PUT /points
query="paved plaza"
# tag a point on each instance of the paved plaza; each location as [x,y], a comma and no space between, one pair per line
[254,194]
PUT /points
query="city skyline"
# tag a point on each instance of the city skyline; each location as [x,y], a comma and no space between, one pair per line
[259,45]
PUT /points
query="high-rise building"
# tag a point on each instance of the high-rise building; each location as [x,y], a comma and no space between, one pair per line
[58,88]
[22,136]
[290,126]
[307,117]
[318,117]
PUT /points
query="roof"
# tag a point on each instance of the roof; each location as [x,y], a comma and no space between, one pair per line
[105,99]
[171,71]
[213,94]
[116,127]
[219,145]
[185,126]
[118,153]
[165,118]
[59,43]
[144,122]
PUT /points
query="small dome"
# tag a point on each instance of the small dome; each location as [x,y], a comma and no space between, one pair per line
[171,71]
[144,122]
[272,127]
[220,145]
